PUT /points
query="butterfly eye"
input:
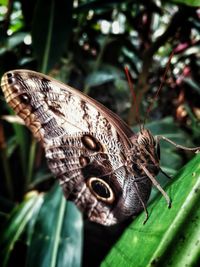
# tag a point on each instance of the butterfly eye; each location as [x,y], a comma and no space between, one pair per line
[101,190]
[24,98]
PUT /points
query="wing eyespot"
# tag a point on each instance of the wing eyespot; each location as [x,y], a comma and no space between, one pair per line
[11,79]
[91,143]
[84,161]
[9,75]
[101,190]
[24,98]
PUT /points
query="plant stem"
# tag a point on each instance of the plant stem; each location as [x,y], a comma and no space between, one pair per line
[44,66]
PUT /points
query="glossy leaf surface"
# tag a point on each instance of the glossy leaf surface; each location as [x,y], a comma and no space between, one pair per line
[57,233]
[171,236]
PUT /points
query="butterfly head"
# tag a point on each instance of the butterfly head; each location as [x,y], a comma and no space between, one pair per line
[149,144]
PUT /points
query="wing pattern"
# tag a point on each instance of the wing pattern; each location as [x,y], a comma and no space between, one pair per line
[86,145]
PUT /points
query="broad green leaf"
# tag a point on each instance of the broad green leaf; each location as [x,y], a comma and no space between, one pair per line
[16,39]
[100,77]
[3,2]
[194,3]
[57,233]
[192,83]
[103,75]
[170,237]
[16,225]
[52,26]
[53,227]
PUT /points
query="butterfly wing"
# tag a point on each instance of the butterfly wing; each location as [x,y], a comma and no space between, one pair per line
[86,145]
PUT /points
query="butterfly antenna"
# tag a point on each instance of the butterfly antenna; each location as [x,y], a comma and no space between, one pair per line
[130,84]
[161,85]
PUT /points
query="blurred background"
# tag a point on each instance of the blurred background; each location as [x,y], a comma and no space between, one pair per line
[87,44]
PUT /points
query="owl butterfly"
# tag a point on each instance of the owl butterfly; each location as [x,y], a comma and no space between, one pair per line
[102,166]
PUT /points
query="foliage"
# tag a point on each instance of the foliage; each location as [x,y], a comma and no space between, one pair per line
[169,237]
[58,244]
[87,44]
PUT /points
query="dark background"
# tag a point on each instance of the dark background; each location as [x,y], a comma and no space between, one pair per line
[87,44]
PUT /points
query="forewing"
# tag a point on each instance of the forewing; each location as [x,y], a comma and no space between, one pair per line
[82,139]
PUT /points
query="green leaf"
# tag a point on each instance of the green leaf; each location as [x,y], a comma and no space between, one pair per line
[4,2]
[99,77]
[194,3]
[56,238]
[53,227]
[191,82]
[15,40]
[16,225]
[52,26]
[170,237]
[103,75]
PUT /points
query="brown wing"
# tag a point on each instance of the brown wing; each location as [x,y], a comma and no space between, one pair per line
[85,143]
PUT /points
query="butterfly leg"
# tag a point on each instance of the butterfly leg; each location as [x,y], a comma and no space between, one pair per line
[143,204]
[157,185]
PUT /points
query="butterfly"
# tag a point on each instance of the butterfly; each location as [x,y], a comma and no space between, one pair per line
[105,168]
